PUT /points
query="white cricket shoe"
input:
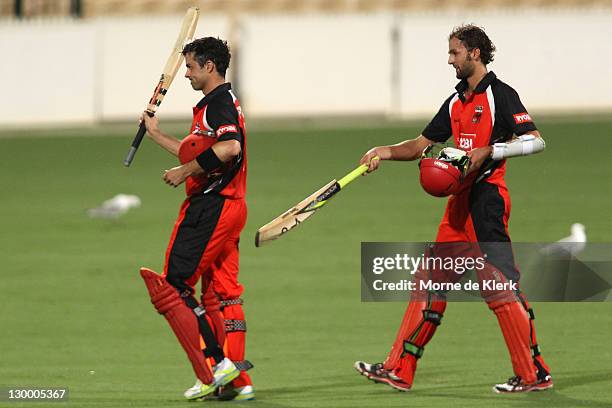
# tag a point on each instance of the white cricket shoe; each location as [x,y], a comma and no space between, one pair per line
[225,372]
[516,384]
[199,390]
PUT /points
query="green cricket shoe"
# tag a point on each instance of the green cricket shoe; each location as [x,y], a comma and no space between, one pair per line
[199,390]
[230,393]
[225,372]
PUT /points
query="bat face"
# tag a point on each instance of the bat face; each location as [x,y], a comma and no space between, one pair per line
[305,208]
[286,224]
[292,217]
[175,60]
[170,69]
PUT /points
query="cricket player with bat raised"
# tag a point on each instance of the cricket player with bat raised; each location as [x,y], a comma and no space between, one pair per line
[204,242]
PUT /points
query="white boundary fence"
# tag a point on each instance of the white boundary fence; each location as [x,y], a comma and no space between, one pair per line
[66,71]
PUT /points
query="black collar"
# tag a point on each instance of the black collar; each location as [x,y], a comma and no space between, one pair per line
[207,98]
[480,88]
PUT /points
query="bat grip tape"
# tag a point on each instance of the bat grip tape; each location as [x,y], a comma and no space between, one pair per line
[352,175]
[132,152]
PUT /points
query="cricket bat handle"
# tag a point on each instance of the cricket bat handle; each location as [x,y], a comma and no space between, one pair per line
[354,174]
[135,144]
[142,129]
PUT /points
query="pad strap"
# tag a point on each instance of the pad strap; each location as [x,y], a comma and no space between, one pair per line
[230,302]
[213,349]
[531,314]
[432,316]
[411,348]
[234,325]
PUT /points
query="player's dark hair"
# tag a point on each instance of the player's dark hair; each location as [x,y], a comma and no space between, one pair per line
[210,49]
[474,37]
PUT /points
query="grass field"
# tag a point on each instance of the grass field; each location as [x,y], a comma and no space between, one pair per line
[75,312]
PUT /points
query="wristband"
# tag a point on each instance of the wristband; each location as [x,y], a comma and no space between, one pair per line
[208,160]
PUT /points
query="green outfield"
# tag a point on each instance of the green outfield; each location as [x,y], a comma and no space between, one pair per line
[75,312]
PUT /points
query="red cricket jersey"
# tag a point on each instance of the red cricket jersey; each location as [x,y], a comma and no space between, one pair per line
[217,117]
[492,114]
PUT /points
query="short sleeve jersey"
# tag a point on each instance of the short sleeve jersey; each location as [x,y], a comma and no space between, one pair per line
[217,117]
[492,114]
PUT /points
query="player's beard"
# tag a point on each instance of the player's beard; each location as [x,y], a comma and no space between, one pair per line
[467,69]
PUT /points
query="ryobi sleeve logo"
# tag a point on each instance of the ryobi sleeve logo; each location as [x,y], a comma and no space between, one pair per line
[522,118]
[226,129]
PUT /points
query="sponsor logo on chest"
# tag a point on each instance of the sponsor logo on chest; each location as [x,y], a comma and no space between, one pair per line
[466,141]
[467,125]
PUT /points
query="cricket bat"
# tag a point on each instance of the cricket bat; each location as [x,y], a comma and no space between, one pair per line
[305,208]
[172,66]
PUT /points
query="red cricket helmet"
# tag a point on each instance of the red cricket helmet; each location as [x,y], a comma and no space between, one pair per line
[442,176]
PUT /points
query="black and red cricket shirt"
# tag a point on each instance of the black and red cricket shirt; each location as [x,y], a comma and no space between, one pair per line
[216,118]
[491,114]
